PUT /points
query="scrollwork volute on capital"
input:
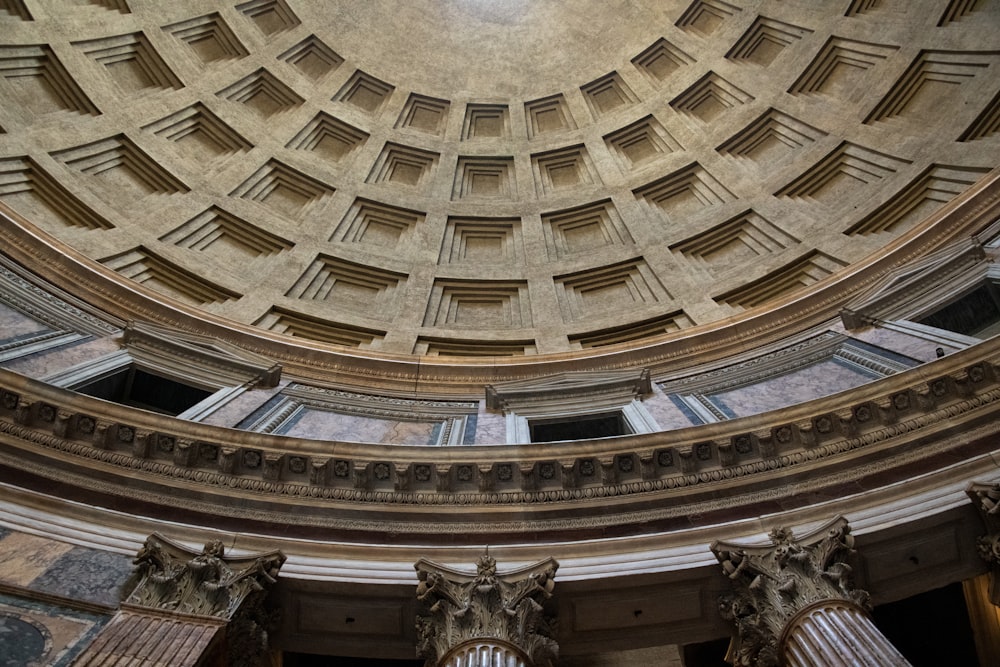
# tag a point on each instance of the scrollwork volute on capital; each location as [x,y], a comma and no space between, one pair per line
[168,577]
[986,497]
[508,608]
[772,583]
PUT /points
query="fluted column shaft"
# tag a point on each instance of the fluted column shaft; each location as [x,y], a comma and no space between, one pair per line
[485,653]
[836,633]
[793,602]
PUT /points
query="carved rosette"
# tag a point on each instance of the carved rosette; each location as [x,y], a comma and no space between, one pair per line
[986,497]
[168,577]
[774,583]
[468,618]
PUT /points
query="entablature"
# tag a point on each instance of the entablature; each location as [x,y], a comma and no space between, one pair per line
[933,412]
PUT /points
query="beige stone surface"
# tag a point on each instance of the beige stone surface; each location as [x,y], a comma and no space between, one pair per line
[27,556]
[316,168]
[532,187]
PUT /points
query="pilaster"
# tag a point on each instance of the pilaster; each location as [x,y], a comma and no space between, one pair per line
[187,609]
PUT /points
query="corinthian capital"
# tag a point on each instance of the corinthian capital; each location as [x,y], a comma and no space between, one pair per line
[504,610]
[171,577]
[772,583]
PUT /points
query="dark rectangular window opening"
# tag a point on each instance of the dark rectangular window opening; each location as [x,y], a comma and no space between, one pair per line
[916,625]
[581,427]
[137,388]
[976,314]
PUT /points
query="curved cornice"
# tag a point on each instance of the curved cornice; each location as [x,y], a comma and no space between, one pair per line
[116,297]
[883,433]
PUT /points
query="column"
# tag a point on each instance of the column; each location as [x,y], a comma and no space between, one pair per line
[486,619]
[982,594]
[187,609]
[793,603]
[986,497]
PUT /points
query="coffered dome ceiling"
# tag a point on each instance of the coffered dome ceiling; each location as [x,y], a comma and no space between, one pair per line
[717,228]
[490,179]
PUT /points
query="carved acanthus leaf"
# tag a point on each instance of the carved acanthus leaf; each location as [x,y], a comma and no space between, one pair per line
[508,608]
[169,577]
[772,583]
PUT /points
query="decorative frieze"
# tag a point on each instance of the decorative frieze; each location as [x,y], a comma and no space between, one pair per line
[49,305]
[896,411]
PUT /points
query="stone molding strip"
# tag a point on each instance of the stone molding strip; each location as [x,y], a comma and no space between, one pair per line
[131,453]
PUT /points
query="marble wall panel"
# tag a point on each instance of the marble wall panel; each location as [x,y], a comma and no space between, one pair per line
[326,425]
[13,323]
[814,381]
[667,413]
[49,361]
[491,428]
[235,411]
[50,566]
[471,426]
[255,415]
[901,343]
[86,574]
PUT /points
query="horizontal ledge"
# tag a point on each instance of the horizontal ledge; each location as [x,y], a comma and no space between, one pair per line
[316,559]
